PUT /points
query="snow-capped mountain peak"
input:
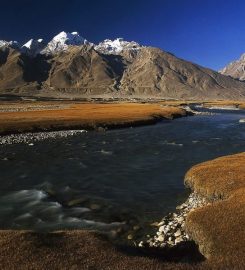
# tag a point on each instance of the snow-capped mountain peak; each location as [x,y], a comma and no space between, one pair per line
[116,46]
[63,40]
[12,44]
[235,69]
[32,42]
[33,47]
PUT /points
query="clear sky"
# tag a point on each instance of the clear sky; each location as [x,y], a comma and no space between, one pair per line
[208,32]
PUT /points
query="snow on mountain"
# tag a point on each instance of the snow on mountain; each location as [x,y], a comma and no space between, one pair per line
[33,47]
[235,69]
[63,40]
[12,44]
[116,46]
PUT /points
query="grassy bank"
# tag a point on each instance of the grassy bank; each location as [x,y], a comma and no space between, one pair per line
[219,227]
[85,116]
[26,116]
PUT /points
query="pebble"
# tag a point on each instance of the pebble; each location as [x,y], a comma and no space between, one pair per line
[178,233]
[136,228]
[178,240]
[161,229]
[160,223]
[160,238]
[141,244]
[76,201]
[180,219]
[95,206]
[155,224]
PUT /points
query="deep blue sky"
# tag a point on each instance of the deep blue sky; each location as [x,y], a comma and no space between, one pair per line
[208,32]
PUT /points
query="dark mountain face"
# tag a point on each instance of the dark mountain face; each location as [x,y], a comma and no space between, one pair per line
[82,71]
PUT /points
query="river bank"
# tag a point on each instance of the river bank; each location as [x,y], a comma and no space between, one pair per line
[213,215]
[85,116]
[38,116]
[221,179]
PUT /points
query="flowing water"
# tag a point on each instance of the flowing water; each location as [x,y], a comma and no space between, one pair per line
[102,180]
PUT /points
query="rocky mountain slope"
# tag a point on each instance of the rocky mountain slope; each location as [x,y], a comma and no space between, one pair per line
[70,66]
[235,69]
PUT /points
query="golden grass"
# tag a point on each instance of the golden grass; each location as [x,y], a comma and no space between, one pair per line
[219,228]
[79,250]
[87,116]
[219,177]
[69,250]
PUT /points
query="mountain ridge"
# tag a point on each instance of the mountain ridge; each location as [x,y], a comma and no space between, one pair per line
[235,69]
[63,40]
[78,69]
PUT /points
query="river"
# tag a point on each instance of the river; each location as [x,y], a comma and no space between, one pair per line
[104,180]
